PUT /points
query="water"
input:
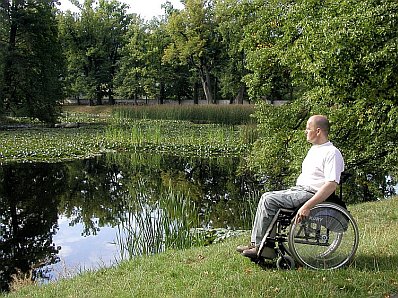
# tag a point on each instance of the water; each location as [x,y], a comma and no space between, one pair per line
[63,218]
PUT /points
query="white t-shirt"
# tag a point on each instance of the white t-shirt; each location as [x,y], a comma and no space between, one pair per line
[323,163]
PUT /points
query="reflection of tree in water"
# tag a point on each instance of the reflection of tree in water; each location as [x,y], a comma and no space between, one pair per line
[93,196]
[94,193]
[212,183]
[28,218]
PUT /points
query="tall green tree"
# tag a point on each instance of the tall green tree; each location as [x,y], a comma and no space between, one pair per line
[132,71]
[143,72]
[31,59]
[268,78]
[232,17]
[92,41]
[196,42]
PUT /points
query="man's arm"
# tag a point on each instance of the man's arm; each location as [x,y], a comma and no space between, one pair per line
[321,195]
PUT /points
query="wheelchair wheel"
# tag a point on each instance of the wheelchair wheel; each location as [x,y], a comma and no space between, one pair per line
[285,263]
[327,239]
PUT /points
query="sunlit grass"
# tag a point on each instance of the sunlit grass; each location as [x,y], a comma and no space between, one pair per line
[182,137]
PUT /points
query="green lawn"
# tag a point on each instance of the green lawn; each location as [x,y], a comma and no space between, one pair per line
[218,271]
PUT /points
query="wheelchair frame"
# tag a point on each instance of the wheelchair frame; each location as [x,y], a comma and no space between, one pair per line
[327,239]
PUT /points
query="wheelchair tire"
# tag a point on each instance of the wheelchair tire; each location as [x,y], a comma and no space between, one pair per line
[327,239]
[285,263]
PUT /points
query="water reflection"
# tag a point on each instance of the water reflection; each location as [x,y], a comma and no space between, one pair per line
[96,198]
[28,218]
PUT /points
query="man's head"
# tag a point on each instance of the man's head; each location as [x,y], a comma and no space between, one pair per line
[317,129]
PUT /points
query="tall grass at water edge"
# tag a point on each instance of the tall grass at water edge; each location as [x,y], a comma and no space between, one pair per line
[151,227]
[219,114]
[180,136]
[218,271]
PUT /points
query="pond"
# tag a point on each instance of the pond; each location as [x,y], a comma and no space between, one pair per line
[62,218]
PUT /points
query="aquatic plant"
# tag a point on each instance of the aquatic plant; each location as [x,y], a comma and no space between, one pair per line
[180,137]
[151,228]
[90,138]
[219,114]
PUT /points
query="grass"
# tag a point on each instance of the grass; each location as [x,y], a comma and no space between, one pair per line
[183,137]
[218,271]
[219,114]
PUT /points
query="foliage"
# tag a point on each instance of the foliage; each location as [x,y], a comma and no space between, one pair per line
[195,41]
[341,60]
[92,42]
[277,154]
[27,226]
[232,17]
[30,60]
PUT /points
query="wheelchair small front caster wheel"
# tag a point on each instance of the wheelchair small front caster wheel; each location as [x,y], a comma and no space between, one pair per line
[285,263]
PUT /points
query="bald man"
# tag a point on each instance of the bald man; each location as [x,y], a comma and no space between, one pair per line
[320,175]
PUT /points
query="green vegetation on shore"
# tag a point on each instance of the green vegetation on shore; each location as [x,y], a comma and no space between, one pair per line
[98,130]
[218,271]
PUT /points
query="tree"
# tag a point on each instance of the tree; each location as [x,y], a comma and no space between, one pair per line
[195,41]
[32,68]
[341,57]
[232,17]
[93,41]
[268,77]
[129,79]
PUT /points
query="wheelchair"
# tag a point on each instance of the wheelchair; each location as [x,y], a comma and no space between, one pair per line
[327,239]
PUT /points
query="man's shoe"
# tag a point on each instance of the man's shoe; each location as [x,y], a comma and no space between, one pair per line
[251,253]
[242,248]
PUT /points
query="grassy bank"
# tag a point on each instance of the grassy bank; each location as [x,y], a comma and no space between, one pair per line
[218,271]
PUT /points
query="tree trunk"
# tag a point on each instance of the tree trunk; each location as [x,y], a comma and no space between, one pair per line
[206,83]
[8,67]
[110,95]
[111,99]
[161,93]
[98,95]
[195,93]
[240,95]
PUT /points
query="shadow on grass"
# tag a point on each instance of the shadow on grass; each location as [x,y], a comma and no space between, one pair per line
[375,262]
[361,262]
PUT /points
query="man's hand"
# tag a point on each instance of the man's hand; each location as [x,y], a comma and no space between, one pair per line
[321,195]
[302,213]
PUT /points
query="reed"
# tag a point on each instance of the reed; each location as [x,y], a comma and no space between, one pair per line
[220,114]
[178,136]
[151,228]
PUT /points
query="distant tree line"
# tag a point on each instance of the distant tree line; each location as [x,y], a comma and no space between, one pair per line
[211,49]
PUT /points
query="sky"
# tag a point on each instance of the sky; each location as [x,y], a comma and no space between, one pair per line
[145,8]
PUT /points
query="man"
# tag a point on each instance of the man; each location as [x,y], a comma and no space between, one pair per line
[320,175]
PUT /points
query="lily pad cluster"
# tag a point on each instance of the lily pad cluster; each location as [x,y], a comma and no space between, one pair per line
[97,135]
